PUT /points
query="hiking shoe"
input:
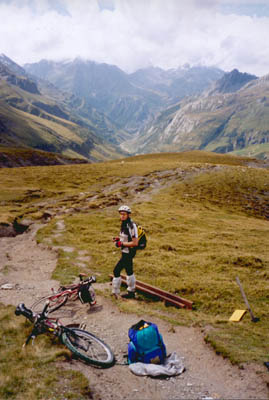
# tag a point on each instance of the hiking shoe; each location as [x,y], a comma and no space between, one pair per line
[128,295]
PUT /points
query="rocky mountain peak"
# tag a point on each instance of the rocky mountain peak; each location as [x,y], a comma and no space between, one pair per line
[231,82]
[14,67]
[13,74]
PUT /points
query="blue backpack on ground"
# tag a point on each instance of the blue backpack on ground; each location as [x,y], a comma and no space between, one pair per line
[146,344]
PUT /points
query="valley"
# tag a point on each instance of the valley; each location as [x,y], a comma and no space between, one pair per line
[96,112]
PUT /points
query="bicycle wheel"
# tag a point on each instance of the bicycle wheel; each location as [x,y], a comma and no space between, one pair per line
[88,347]
[54,303]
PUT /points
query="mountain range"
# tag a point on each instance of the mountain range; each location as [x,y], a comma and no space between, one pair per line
[224,119]
[129,100]
[94,112]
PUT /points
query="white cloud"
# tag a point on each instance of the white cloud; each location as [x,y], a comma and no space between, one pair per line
[136,33]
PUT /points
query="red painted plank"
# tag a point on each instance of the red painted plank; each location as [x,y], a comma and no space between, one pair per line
[162,294]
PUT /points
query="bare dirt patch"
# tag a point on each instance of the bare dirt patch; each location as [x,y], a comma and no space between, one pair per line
[27,268]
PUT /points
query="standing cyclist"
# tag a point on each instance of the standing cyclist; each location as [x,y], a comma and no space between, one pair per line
[126,242]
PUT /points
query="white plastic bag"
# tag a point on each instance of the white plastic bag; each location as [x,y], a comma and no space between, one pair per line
[171,367]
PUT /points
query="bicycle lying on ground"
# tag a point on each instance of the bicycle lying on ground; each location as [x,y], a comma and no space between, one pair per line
[82,290]
[81,343]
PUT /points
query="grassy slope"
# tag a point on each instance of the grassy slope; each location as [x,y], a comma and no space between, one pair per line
[203,232]
[260,151]
[27,125]
[21,156]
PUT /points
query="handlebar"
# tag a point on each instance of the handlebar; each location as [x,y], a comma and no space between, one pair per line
[91,279]
[21,309]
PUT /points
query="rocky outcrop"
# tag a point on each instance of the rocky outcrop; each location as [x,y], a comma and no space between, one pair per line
[12,229]
[23,83]
[231,82]
[51,109]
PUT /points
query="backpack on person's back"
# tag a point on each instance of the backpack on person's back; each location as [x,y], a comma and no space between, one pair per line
[146,344]
[142,238]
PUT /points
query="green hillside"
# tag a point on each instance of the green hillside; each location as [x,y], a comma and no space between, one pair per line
[23,157]
[35,121]
[223,123]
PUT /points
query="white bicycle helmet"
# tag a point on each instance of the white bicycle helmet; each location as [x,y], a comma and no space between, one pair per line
[125,208]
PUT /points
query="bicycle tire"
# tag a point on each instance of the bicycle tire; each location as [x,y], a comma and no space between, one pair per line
[54,303]
[88,347]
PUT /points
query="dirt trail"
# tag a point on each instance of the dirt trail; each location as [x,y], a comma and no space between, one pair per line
[27,267]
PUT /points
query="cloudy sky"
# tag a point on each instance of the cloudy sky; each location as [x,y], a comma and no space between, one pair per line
[134,34]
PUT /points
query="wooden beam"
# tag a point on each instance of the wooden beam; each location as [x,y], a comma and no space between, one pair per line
[167,297]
